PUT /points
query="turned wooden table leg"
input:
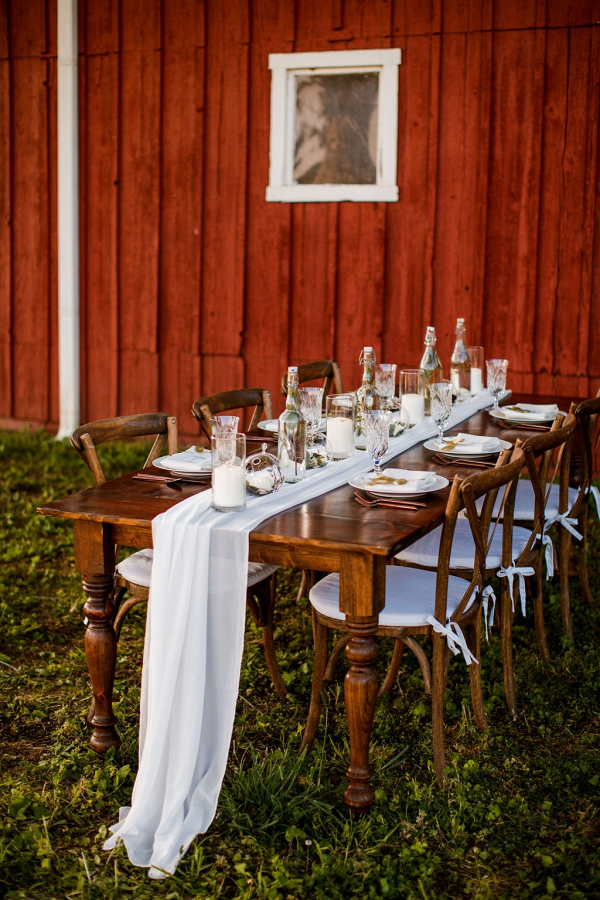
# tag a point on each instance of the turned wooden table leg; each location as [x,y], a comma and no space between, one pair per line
[95,560]
[101,654]
[362,596]
[361,688]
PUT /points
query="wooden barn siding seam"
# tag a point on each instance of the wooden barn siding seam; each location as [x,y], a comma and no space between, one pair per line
[320,288]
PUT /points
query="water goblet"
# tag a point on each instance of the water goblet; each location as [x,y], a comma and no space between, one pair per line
[376,427]
[440,396]
[225,427]
[496,377]
[385,382]
[311,405]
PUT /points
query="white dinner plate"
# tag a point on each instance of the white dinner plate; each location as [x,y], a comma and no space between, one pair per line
[189,464]
[434,445]
[272,425]
[396,491]
[502,413]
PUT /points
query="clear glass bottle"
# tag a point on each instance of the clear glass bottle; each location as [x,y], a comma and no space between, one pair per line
[291,441]
[430,367]
[460,363]
[367,396]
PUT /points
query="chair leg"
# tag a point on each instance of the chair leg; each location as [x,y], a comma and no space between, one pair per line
[564,553]
[508,672]
[393,669]
[440,653]
[474,644]
[124,608]
[416,648]
[338,648]
[582,557]
[265,592]
[538,613]
[321,641]
[303,589]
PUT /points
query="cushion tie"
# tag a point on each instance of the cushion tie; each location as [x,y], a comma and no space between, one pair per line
[593,490]
[549,553]
[454,638]
[563,519]
[509,573]
[486,594]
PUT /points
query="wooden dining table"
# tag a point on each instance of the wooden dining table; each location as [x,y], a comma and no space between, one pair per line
[331,533]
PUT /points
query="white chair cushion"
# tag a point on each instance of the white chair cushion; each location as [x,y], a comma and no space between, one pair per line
[425,551]
[409,596]
[525,501]
[137,568]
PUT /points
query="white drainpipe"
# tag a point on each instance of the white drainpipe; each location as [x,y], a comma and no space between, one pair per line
[68,220]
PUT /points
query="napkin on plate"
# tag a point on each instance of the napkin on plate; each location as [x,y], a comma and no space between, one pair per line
[415,481]
[472,443]
[531,411]
[188,461]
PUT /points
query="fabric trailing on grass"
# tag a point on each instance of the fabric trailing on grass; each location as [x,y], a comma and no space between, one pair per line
[193,653]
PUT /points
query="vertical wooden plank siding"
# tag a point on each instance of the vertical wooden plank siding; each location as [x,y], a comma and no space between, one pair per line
[191,282]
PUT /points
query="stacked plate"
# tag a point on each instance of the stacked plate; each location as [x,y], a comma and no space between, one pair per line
[472,445]
[190,465]
[521,413]
[272,425]
[399,482]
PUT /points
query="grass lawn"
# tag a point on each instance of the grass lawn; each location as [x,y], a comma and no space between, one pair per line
[518,817]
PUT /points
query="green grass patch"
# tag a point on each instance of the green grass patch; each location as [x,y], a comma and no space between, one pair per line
[517,819]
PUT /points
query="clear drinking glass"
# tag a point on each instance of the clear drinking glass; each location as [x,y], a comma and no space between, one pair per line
[440,396]
[476,354]
[385,382]
[228,471]
[376,427]
[341,425]
[311,404]
[496,377]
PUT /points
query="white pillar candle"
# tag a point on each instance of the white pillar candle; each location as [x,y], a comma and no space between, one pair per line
[414,404]
[476,381]
[340,436]
[229,487]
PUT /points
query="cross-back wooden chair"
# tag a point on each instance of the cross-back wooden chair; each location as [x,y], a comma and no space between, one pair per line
[588,421]
[213,404]
[515,552]
[438,605]
[326,369]
[133,574]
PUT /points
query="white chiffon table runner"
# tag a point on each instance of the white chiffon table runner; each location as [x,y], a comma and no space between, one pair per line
[193,652]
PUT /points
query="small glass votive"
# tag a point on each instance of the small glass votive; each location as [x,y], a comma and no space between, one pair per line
[228,472]
[341,422]
[385,382]
[412,395]
[477,357]
[225,424]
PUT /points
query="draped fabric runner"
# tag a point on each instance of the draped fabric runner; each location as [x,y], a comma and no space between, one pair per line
[193,652]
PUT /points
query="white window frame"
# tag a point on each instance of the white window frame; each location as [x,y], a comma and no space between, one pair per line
[284,67]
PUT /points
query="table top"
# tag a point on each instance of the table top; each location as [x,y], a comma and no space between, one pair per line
[334,520]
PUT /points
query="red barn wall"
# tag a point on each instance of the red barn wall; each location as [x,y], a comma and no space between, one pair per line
[191,282]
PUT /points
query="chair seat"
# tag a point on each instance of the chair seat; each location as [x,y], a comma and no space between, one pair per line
[409,597]
[425,551]
[137,569]
[525,502]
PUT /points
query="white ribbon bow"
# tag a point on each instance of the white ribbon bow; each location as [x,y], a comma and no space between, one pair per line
[563,519]
[509,573]
[485,597]
[454,636]
[593,490]
[548,552]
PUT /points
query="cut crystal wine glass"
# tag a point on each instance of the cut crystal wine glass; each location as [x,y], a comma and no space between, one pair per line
[385,382]
[440,395]
[311,405]
[376,427]
[496,377]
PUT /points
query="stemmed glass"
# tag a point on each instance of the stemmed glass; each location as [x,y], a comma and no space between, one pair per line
[440,397]
[225,427]
[311,407]
[496,377]
[376,427]
[385,382]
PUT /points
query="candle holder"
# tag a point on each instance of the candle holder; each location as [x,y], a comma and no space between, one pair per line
[263,473]
[228,472]
[477,357]
[412,394]
[341,425]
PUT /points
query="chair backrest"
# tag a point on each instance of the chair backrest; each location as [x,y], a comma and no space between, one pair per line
[206,407]
[86,438]
[588,425]
[326,369]
[463,495]
[542,465]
